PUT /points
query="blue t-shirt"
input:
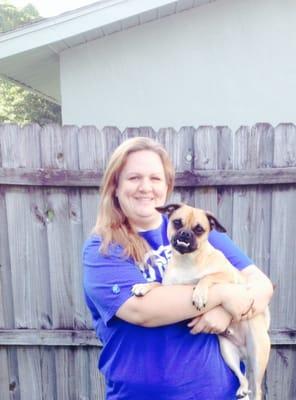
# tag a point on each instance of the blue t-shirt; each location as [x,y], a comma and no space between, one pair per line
[163,363]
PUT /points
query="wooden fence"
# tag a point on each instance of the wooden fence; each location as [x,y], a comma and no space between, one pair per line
[48,200]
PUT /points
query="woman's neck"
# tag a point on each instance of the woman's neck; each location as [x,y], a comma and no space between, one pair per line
[142,226]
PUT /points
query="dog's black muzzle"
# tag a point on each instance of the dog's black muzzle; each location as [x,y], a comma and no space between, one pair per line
[184,241]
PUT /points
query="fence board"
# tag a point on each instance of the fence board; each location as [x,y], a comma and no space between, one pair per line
[97,382]
[30,373]
[263,136]
[94,145]
[280,379]
[65,378]
[26,250]
[173,141]
[80,368]
[6,299]
[205,158]
[92,157]
[6,303]
[48,373]
[251,207]
[57,212]
[225,163]
[4,374]
[14,386]
[283,249]
[282,266]
[59,149]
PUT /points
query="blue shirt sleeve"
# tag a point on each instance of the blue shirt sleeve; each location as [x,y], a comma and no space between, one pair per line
[232,252]
[108,279]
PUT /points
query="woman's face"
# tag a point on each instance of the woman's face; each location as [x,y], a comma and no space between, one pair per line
[142,187]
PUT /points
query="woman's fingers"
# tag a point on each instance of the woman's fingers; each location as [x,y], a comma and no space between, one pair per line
[193,322]
[214,321]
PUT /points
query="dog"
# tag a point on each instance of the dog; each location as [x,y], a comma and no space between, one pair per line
[195,261]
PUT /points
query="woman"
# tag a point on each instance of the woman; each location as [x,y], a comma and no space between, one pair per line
[149,343]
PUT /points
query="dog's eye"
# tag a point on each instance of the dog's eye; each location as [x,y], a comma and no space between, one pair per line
[177,223]
[198,230]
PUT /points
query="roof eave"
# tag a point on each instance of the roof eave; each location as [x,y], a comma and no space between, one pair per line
[61,27]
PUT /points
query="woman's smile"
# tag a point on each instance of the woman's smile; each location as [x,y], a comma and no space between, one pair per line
[142,187]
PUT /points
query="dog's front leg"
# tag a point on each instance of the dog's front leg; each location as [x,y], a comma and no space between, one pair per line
[140,289]
[200,293]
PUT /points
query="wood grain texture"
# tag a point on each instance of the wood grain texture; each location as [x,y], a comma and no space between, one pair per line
[253,206]
[20,148]
[280,378]
[87,337]
[205,142]
[225,164]
[6,299]
[49,181]
[187,179]
[283,222]
[4,374]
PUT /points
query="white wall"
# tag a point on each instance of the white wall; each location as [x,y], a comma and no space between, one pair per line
[230,62]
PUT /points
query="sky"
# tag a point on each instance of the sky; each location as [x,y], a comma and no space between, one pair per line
[49,8]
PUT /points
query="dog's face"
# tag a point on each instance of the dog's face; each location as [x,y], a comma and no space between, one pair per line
[189,227]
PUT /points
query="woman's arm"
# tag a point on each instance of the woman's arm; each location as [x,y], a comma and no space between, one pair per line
[173,303]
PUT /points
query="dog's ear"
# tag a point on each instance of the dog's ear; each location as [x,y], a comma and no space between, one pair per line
[214,223]
[168,209]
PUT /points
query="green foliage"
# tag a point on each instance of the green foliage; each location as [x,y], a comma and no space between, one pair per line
[19,105]
[11,17]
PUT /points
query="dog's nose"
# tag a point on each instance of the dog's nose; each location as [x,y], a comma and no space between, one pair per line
[184,235]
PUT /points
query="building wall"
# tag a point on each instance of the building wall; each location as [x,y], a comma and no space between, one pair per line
[225,63]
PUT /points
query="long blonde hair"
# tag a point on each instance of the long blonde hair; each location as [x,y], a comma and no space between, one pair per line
[112,225]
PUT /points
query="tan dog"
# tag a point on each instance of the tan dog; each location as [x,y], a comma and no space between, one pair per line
[196,261]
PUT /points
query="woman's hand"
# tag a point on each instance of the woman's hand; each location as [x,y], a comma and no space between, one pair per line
[214,321]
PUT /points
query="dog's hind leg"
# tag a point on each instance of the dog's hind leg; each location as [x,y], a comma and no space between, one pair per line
[258,347]
[231,356]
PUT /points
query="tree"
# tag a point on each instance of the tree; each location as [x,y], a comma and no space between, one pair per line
[21,106]
[11,17]
[18,104]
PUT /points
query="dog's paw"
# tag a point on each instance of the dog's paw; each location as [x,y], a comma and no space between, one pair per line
[140,289]
[243,396]
[200,297]
[243,393]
